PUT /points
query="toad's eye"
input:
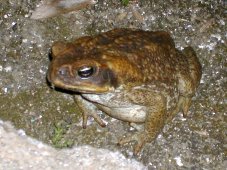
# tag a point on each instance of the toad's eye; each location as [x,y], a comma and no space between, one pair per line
[86,71]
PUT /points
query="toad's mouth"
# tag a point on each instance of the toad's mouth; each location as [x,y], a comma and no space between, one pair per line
[80,87]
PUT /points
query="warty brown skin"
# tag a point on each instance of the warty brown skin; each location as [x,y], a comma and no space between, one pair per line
[132,75]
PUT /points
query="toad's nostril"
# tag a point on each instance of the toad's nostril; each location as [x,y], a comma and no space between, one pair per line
[63,71]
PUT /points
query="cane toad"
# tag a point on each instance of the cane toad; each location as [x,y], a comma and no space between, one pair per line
[132,75]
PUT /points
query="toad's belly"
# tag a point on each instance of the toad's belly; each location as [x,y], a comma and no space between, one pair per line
[135,113]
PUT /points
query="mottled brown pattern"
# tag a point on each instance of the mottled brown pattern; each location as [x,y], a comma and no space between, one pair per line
[132,75]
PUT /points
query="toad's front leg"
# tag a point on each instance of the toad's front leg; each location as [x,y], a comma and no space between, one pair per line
[88,109]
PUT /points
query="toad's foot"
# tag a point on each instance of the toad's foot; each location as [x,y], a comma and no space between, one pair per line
[88,110]
[140,138]
[96,118]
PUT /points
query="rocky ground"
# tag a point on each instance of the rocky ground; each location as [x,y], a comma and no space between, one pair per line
[19,151]
[197,142]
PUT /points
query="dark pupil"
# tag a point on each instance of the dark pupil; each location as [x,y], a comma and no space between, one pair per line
[85,72]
